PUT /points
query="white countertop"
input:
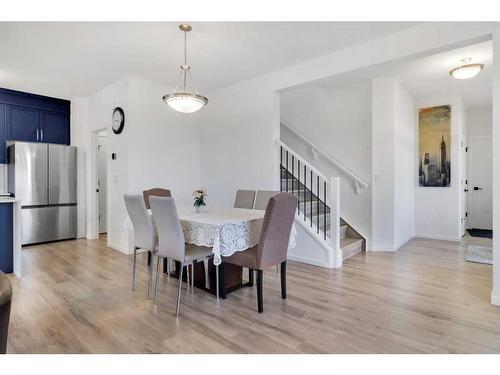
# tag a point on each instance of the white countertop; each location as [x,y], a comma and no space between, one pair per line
[8,200]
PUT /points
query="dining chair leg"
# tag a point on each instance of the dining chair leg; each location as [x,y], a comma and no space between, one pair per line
[168,268]
[150,281]
[192,274]
[149,257]
[179,292]
[157,280]
[187,274]
[133,268]
[250,277]
[222,280]
[283,280]
[217,281]
[260,303]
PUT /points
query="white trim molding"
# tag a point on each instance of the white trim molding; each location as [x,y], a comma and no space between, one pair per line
[495,298]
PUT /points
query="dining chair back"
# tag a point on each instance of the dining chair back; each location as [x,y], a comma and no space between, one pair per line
[5,302]
[171,242]
[144,235]
[144,232]
[155,192]
[262,198]
[275,233]
[244,199]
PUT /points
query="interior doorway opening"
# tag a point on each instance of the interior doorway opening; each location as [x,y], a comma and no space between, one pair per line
[102,183]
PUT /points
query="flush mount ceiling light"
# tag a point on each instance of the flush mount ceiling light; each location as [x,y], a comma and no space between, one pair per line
[467,70]
[185,101]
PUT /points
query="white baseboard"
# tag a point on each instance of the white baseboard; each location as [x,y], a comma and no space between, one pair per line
[311,261]
[120,248]
[437,237]
[495,298]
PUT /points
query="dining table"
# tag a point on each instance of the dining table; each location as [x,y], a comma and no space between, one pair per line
[226,230]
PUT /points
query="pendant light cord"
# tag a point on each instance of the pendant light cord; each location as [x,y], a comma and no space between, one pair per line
[185,59]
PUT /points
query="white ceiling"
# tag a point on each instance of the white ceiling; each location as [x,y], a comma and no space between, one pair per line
[77,59]
[429,75]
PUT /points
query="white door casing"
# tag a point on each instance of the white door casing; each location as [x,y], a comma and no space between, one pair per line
[102,182]
[480,182]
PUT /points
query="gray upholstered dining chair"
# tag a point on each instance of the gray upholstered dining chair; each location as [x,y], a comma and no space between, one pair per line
[273,243]
[155,192]
[5,301]
[244,199]
[171,242]
[144,232]
[262,198]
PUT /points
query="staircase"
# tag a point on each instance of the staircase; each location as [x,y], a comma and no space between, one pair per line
[313,211]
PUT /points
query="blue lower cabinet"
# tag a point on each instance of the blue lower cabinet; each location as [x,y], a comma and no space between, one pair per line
[6,238]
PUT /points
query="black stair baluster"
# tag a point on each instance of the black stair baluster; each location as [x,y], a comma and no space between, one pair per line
[298,186]
[317,204]
[287,171]
[293,176]
[311,205]
[324,208]
[281,169]
[305,190]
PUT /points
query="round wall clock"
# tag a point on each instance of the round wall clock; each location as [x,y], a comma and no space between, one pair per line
[118,120]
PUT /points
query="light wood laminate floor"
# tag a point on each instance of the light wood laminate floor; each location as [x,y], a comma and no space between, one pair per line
[75,297]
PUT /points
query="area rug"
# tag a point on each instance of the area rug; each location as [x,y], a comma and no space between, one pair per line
[486,233]
[479,254]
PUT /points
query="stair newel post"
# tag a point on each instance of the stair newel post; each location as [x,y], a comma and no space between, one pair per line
[305,190]
[335,255]
[324,209]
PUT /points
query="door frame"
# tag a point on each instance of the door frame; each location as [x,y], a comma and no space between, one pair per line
[469,184]
[92,195]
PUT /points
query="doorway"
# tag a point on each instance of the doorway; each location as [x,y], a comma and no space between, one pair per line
[480,199]
[102,179]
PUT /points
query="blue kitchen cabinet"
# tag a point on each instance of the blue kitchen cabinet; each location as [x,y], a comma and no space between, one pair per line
[54,127]
[22,123]
[6,238]
[3,144]
[29,117]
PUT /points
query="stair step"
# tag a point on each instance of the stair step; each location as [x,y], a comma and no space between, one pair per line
[350,246]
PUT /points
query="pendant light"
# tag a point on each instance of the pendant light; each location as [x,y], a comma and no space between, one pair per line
[185,101]
[467,70]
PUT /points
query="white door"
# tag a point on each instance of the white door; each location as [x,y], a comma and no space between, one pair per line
[102,182]
[480,183]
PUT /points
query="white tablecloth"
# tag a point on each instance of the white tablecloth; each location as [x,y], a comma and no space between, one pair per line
[225,230]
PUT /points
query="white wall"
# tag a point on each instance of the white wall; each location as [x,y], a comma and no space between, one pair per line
[393,165]
[404,166]
[495,293]
[337,120]
[479,121]
[439,210]
[157,148]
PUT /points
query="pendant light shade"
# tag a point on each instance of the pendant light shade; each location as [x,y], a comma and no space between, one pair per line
[466,71]
[185,101]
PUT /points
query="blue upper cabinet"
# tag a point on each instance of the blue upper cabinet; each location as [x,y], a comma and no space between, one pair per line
[32,118]
[3,146]
[54,127]
[22,123]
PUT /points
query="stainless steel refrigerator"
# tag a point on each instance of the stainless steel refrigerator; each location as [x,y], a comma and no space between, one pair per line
[43,177]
